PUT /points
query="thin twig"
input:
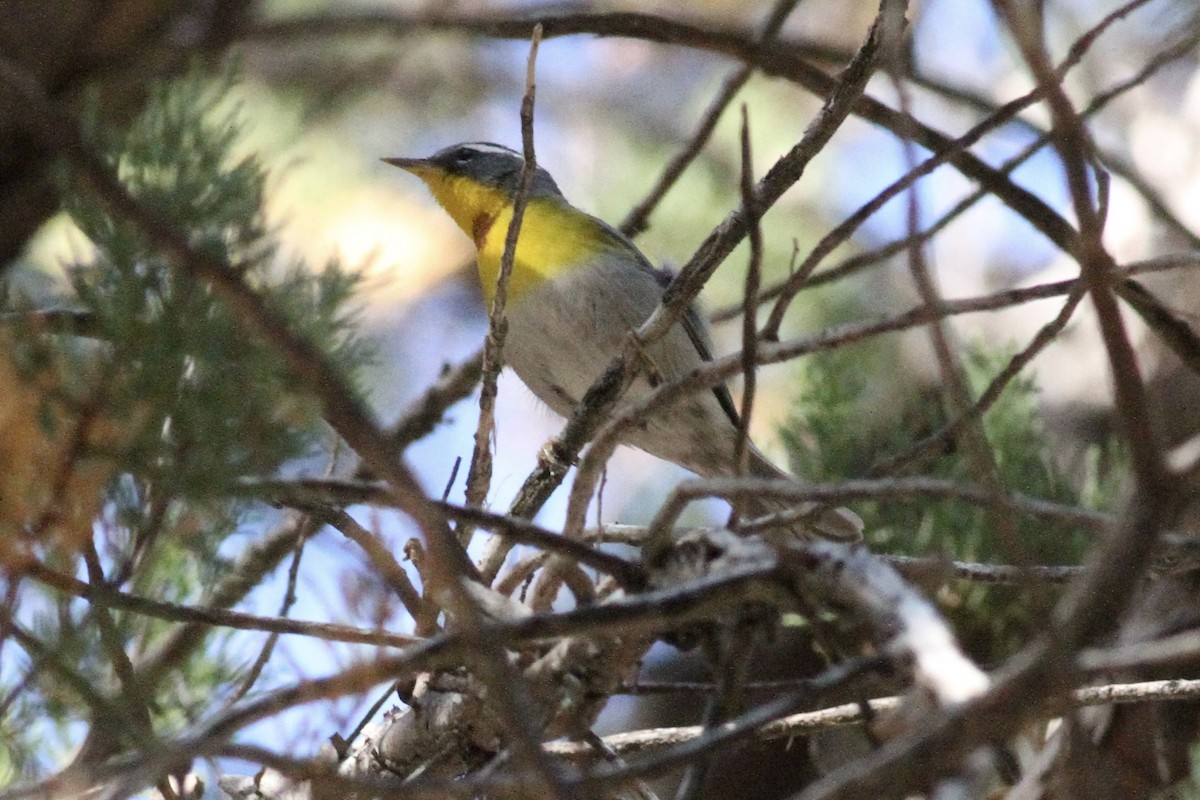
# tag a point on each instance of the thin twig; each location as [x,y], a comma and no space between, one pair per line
[521,531]
[369,715]
[724,368]
[735,643]
[124,722]
[1094,603]
[289,596]
[638,218]
[423,415]
[750,299]
[480,473]
[915,567]
[453,476]
[316,496]
[423,612]
[646,613]
[843,94]
[978,450]
[252,565]
[102,741]
[852,714]
[207,616]
[948,432]
[734,489]
[1169,650]
[289,599]
[510,699]
[1097,267]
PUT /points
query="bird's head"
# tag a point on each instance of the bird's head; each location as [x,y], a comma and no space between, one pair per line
[475,180]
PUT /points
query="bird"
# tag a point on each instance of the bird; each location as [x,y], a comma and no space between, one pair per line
[576,289]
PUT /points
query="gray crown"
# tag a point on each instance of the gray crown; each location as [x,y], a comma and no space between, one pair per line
[494,165]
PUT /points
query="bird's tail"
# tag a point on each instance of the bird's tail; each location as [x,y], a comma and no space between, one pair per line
[813,519]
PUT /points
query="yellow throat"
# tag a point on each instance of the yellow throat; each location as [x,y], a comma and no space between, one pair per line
[554,235]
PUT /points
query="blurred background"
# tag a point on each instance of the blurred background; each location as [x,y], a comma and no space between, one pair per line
[320,106]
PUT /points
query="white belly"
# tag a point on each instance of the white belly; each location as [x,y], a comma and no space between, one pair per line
[564,334]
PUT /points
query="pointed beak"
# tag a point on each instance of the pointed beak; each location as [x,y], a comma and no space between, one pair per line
[417,166]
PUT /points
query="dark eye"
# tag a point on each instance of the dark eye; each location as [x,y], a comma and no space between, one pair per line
[462,156]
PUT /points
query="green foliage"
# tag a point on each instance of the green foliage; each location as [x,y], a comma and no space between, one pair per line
[846,419]
[202,404]
[218,404]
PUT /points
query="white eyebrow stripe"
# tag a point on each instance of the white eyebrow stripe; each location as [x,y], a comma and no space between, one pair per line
[488,147]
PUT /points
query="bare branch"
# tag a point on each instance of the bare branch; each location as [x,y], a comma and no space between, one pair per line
[753,280]
[947,433]
[428,410]
[205,616]
[879,489]
[423,612]
[479,475]
[844,93]
[638,218]
[635,742]
[313,495]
